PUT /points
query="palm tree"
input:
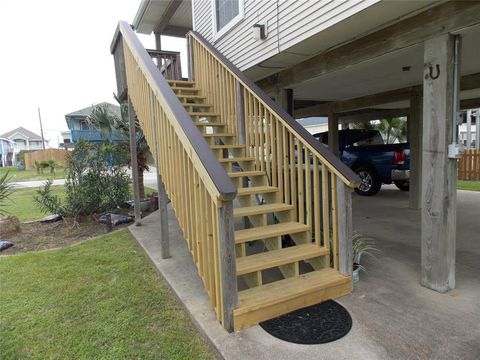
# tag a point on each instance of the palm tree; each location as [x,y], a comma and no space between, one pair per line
[108,122]
[392,130]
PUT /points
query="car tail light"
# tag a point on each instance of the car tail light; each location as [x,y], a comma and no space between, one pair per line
[399,157]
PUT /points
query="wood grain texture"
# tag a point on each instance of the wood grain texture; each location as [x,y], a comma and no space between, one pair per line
[439,172]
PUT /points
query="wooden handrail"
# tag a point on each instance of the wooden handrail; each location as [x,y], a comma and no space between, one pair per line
[218,183]
[335,164]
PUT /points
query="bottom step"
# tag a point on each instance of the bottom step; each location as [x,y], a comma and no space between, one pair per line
[281,297]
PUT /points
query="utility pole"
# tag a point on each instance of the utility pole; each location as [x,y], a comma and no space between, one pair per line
[41,129]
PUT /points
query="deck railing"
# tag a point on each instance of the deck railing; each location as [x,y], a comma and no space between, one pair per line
[200,190]
[168,62]
[308,175]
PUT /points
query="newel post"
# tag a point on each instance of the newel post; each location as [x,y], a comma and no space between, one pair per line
[134,161]
[228,267]
[345,251]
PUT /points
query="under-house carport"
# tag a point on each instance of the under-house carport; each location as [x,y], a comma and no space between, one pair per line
[425,68]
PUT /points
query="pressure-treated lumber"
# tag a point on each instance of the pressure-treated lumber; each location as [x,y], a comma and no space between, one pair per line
[268,231]
[247,191]
[280,297]
[261,209]
[273,258]
[245,173]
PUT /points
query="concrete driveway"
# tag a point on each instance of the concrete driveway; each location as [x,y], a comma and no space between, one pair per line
[405,319]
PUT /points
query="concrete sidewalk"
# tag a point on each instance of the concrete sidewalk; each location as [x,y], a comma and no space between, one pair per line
[394,317]
[35,183]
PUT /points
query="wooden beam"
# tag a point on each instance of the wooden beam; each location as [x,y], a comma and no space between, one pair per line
[439,172]
[469,103]
[371,114]
[176,31]
[468,82]
[445,18]
[171,9]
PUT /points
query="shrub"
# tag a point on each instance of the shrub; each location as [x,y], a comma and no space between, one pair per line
[6,190]
[94,184]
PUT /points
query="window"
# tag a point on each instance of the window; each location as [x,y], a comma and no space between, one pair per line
[226,14]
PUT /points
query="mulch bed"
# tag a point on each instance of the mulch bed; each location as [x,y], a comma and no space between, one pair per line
[35,236]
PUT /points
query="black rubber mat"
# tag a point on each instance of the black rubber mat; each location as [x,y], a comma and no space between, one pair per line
[316,324]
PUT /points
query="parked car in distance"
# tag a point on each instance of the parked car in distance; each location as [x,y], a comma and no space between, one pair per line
[375,162]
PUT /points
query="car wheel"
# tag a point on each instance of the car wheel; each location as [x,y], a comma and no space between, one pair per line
[403,185]
[370,183]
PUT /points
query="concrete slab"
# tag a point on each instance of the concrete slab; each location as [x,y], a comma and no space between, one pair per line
[393,316]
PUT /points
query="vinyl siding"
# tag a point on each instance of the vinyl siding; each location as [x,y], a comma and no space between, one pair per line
[296,21]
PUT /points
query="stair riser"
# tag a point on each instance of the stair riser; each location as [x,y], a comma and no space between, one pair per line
[243,320]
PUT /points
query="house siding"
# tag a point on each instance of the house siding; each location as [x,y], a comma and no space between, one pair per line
[296,21]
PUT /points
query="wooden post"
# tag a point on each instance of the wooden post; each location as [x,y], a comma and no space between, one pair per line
[345,251]
[333,133]
[227,263]
[158,41]
[162,194]
[469,129]
[415,130]
[477,130]
[439,172]
[284,97]
[134,162]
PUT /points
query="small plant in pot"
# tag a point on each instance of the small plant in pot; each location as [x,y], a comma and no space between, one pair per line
[361,245]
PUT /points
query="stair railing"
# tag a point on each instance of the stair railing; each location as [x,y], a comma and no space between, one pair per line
[200,190]
[309,176]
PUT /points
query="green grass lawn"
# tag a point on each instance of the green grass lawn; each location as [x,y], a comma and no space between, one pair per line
[468,185]
[27,175]
[22,206]
[97,300]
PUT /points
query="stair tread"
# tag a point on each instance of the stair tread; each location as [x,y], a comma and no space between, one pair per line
[191,96]
[185,88]
[268,231]
[283,290]
[261,209]
[274,258]
[202,113]
[197,105]
[245,173]
[227,146]
[186,82]
[218,134]
[237,159]
[256,190]
[201,123]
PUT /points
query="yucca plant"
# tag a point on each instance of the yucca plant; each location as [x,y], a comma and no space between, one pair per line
[362,244]
[6,189]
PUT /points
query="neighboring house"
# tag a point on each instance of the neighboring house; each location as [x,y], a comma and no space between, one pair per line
[67,140]
[24,139]
[348,61]
[471,127]
[7,152]
[79,127]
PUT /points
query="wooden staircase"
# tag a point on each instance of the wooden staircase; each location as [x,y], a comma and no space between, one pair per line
[275,276]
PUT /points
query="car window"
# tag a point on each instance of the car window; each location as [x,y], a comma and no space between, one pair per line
[367,138]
